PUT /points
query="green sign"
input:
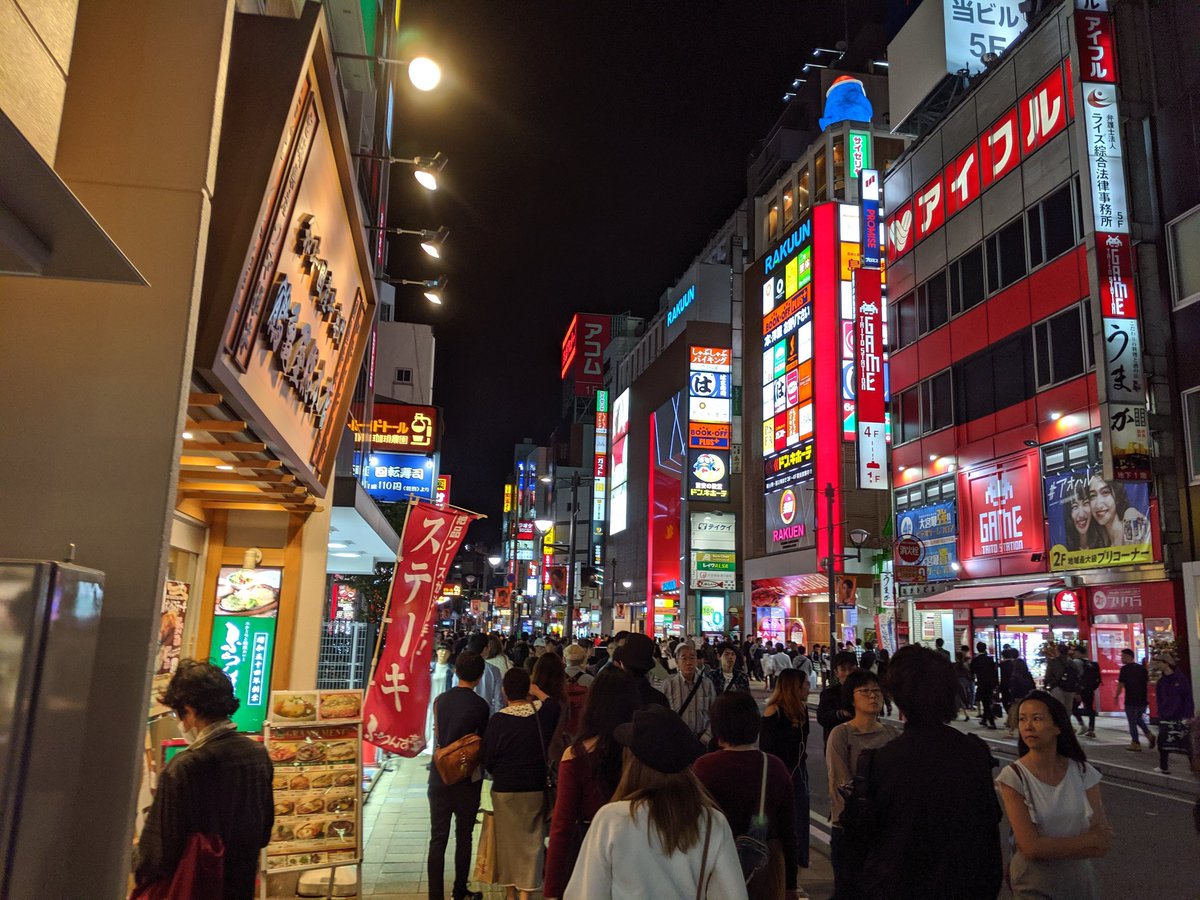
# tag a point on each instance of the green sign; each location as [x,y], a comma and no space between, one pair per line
[243,646]
[859,157]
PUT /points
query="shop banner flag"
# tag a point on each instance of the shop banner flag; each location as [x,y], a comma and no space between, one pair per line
[398,692]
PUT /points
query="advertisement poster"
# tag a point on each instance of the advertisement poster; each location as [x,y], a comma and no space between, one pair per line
[708,475]
[317,788]
[1002,512]
[170,639]
[789,518]
[248,592]
[1097,523]
[243,646]
[712,614]
[398,692]
[936,527]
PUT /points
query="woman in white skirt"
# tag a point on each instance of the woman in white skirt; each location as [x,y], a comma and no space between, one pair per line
[514,755]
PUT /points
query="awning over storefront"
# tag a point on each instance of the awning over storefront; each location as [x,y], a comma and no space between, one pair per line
[987,596]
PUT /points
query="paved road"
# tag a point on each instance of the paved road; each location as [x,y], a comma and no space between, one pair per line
[1156,853]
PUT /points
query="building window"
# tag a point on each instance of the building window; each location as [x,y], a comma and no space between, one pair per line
[839,167]
[994,379]
[887,151]
[1052,227]
[1061,346]
[789,204]
[803,198]
[942,489]
[1183,237]
[1006,255]
[933,310]
[908,415]
[966,281]
[924,408]
[404,376]
[1191,428]
[1075,452]
[821,172]
[773,222]
[905,316]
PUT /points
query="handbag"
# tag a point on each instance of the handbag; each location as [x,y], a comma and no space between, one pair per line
[200,874]
[549,789]
[457,761]
[485,853]
[752,849]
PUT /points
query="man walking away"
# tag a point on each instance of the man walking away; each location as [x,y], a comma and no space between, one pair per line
[940,646]
[833,708]
[983,670]
[1062,676]
[867,660]
[1133,682]
[457,713]
[1089,683]
[487,683]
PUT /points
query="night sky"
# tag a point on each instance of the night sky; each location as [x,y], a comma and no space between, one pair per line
[593,148]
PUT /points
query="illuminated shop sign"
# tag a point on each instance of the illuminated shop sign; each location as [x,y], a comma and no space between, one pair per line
[681,305]
[398,426]
[618,470]
[1002,515]
[935,528]
[599,473]
[976,28]
[583,351]
[869,366]
[395,477]
[709,404]
[859,155]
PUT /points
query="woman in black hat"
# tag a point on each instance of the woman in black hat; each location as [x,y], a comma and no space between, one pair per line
[663,835]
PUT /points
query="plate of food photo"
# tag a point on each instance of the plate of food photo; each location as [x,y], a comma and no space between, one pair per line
[248,592]
[336,705]
[293,707]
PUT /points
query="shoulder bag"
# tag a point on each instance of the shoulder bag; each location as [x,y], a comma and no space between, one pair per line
[485,854]
[702,883]
[549,790]
[752,849]
[688,701]
[456,762]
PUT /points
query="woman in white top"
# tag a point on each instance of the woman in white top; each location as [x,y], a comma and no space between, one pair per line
[1051,795]
[663,835]
[493,655]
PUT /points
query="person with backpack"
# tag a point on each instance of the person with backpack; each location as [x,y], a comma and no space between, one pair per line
[983,669]
[753,789]
[1016,683]
[1062,675]
[1089,683]
[578,682]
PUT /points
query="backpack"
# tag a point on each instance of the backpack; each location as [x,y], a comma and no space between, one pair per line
[1069,680]
[858,815]
[752,848]
[1090,679]
[576,696]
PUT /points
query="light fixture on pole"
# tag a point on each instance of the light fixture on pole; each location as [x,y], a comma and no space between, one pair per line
[858,537]
[423,72]
[426,169]
[431,241]
[434,287]
[493,561]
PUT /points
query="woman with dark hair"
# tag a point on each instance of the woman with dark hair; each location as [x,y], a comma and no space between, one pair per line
[589,772]
[784,733]
[514,754]
[1052,798]
[846,743]
[1112,511]
[742,778]
[662,835]
[935,824]
[221,785]
[1079,528]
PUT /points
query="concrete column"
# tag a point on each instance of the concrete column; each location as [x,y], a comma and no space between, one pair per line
[95,376]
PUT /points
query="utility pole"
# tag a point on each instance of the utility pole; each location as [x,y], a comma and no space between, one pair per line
[829,564]
[569,626]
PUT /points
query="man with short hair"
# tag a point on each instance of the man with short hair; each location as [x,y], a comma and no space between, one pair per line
[1134,683]
[1089,683]
[1062,676]
[487,685]
[987,677]
[457,713]
[614,644]
[833,708]
[940,646]
[689,693]
[728,675]
[636,656]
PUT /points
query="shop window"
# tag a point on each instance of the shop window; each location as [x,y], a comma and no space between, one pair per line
[773,221]
[1053,229]
[1191,422]
[789,205]
[1006,255]
[1183,237]
[839,167]
[933,309]
[1061,347]
[821,172]
[904,314]
[803,200]
[965,277]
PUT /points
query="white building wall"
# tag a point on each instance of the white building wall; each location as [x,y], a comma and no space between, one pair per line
[404,362]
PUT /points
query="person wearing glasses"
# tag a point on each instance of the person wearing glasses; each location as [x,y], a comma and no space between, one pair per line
[846,743]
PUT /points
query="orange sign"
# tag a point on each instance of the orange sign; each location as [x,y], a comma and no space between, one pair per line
[712,356]
[399,426]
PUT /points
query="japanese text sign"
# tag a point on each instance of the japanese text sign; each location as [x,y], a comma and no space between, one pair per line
[869,381]
[399,426]
[1002,514]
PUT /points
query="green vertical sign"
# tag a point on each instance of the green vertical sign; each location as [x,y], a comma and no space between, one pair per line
[859,157]
[243,646]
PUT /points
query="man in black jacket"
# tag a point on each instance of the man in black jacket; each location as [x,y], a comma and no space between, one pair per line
[983,670]
[833,708]
[636,656]
[457,713]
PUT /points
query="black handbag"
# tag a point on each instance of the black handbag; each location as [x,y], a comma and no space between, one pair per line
[752,849]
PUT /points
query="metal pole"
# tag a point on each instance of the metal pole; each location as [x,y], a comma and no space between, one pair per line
[829,563]
[570,623]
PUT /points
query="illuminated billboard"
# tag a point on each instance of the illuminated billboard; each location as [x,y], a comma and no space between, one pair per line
[710,420]
[618,469]
[583,351]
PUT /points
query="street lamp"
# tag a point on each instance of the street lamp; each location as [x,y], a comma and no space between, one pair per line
[858,537]
[434,287]
[493,561]
[423,72]
[426,169]
[431,241]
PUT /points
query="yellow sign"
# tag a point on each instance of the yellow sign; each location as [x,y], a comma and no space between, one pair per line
[508,498]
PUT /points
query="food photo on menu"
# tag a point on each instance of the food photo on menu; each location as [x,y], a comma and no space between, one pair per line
[248,592]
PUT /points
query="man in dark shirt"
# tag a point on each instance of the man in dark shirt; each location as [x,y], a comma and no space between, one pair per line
[939,646]
[457,713]
[1133,682]
[833,708]
[983,670]
[636,656]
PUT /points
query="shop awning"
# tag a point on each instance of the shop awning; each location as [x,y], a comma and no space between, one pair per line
[987,596]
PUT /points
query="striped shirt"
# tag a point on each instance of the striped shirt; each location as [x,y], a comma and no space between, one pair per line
[696,714]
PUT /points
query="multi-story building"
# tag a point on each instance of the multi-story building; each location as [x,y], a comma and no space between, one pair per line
[1032,434]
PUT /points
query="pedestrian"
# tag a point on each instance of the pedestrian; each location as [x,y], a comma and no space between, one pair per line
[936,817]
[939,647]
[494,655]
[441,679]
[745,780]
[689,693]
[457,712]
[966,685]
[489,685]
[1052,797]
[662,835]
[987,677]
[635,655]
[846,742]
[550,677]
[883,659]
[1174,694]
[221,786]
[658,673]
[1019,685]
[784,733]
[868,658]
[729,674]
[833,706]
[1133,683]
[1062,675]
[515,755]
[589,773]
[1085,700]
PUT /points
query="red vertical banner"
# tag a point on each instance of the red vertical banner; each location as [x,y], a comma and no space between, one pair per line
[398,692]
[869,378]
